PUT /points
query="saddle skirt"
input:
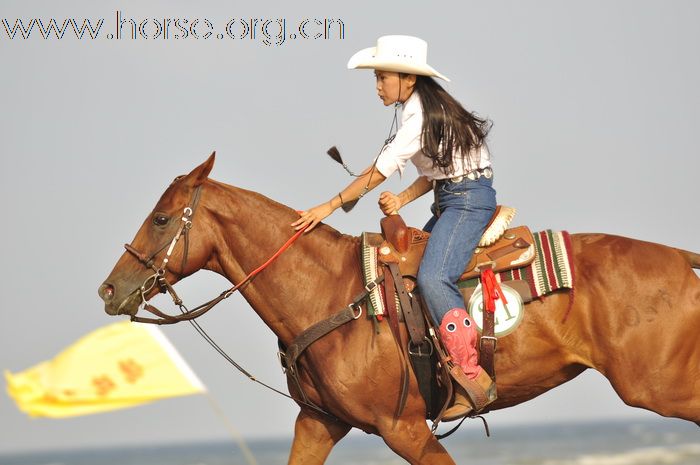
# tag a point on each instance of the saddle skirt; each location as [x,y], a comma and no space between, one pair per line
[500,247]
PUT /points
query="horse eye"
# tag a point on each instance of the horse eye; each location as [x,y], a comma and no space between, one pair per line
[160,220]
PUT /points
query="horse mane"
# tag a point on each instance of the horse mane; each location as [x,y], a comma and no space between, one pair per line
[279,209]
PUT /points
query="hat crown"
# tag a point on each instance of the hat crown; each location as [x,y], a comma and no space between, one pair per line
[398,53]
[402,48]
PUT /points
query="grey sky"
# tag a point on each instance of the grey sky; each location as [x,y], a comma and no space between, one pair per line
[596,109]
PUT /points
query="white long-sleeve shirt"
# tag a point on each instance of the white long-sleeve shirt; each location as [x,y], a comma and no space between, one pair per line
[407,146]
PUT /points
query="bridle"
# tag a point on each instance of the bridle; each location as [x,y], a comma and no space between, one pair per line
[159,273]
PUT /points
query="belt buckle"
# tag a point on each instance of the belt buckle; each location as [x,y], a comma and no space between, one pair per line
[477,173]
[474,175]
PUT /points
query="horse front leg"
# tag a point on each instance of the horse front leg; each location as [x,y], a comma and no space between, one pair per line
[412,439]
[314,437]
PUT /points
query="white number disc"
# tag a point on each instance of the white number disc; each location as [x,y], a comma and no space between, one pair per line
[507,317]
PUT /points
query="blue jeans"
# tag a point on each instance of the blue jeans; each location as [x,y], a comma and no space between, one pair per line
[465,209]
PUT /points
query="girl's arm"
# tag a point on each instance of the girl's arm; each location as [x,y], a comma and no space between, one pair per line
[316,214]
[391,203]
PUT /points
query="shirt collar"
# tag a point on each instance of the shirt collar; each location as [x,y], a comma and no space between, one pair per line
[410,106]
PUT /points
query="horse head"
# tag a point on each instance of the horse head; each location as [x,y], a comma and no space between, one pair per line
[163,251]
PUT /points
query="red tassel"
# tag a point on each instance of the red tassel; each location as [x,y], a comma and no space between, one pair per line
[491,290]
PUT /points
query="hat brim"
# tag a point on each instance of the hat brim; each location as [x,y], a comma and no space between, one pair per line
[366,59]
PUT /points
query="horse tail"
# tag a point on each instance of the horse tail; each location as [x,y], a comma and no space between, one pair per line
[692,258]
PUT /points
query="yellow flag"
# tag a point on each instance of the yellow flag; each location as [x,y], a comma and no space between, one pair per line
[117,366]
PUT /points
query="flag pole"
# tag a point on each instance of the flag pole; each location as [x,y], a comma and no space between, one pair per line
[238,439]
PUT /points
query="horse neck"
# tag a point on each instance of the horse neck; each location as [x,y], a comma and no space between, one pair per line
[313,278]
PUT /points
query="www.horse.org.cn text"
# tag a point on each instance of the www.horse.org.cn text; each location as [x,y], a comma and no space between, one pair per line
[267,31]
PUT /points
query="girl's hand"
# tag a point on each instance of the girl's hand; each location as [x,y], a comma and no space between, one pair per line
[389,203]
[312,217]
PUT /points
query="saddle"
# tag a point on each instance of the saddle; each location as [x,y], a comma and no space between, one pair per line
[500,248]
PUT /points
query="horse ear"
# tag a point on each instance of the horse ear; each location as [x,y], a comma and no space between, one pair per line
[200,174]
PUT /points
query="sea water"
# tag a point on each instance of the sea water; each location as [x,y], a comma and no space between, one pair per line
[634,442]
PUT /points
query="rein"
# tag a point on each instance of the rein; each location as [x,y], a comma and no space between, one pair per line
[288,356]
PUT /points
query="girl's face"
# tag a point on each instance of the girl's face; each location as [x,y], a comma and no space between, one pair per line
[393,87]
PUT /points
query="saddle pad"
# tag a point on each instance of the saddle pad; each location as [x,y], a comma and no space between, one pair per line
[376,304]
[552,268]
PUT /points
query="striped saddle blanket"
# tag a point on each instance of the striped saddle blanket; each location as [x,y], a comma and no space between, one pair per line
[552,269]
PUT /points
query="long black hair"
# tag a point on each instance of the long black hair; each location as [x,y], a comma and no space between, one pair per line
[448,127]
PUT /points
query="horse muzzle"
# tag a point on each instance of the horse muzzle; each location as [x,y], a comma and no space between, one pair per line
[114,306]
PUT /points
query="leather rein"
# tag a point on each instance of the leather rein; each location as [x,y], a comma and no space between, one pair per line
[288,355]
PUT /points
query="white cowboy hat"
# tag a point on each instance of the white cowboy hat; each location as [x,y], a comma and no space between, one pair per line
[402,54]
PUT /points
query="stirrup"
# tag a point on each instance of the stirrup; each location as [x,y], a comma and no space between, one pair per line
[481,391]
[461,405]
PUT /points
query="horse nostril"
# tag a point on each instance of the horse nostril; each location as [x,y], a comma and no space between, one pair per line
[106,291]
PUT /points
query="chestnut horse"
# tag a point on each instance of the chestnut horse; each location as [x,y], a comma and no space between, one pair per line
[634,319]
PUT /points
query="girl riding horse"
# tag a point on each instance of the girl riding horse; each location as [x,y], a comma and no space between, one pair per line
[447,145]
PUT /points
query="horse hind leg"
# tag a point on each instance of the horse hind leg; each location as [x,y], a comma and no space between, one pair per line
[314,437]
